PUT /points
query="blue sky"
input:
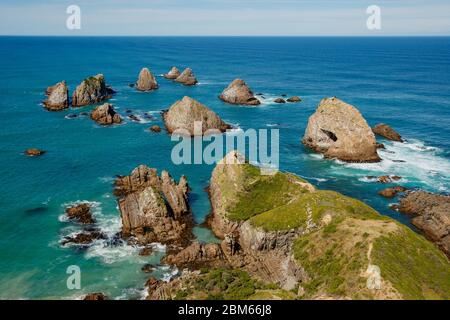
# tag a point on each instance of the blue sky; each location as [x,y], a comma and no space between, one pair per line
[225,17]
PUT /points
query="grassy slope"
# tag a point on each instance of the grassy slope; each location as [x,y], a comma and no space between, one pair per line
[337,255]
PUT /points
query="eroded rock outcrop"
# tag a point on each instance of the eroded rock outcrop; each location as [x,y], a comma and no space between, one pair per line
[81,213]
[197,255]
[392,192]
[92,90]
[172,74]
[431,215]
[238,92]
[294,99]
[96,296]
[153,208]
[187,78]
[105,115]
[146,81]
[387,132]
[57,97]
[338,130]
[184,114]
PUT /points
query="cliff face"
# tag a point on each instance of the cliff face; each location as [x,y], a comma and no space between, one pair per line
[325,244]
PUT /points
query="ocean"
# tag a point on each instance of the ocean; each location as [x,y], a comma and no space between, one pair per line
[404,82]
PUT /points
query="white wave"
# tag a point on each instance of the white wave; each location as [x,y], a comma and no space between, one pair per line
[171,271]
[415,162]
[106,179]
[272,124]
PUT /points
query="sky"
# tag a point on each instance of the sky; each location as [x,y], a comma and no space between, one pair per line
[225,17]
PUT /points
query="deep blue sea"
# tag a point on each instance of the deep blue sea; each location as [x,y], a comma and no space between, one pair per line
[404,82]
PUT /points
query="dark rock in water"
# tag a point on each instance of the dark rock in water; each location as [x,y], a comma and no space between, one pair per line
[238,92]
[148,268]
[338,130]
[57,97]
[394,206]
[294,99]
[131,85]
[92,90]
[71,116]
[392,192]
[431,215]
[148,116]
[258,94]
[398,161]
[380,146]
[95,296]
[279,100]
[84,238]
[134,118]
[387,132]
[81,213]
[128,111]
[106,115]
[33,152]
[147,251]
[388,179]
[155,128]
[284,95]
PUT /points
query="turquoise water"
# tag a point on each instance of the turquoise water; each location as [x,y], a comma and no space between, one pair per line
[404,82]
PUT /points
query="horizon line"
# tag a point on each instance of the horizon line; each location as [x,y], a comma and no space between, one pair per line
[236,36]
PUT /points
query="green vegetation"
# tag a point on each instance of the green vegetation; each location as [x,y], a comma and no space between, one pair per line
[294,214]
[227,284]
[415,267]
[261,193]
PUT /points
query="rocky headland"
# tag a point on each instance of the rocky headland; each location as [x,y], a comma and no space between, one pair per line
[184,113]
[338,130]
[283,235]
[238,92]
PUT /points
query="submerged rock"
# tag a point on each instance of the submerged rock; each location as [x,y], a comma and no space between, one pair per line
[431,215]
[238,92]
[187,78]
[33,152]
[57,97]
[338,130]
[91,91]
[85,237]
[183,114]
[154,209]
[279,100]
[294,99]
[105,115]
[155,128]
[172,74]
[81,213]
[146,81]
[392,192]
[387,132]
